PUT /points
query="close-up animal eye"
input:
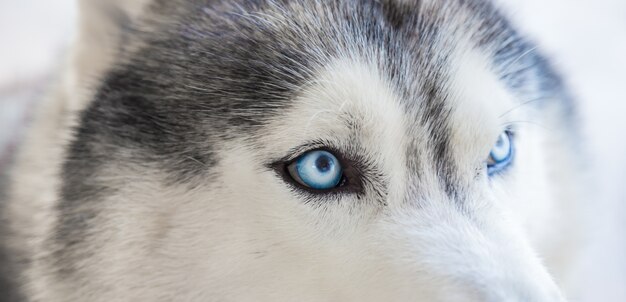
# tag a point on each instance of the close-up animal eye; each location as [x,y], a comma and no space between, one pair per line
[318,170]
[502,154]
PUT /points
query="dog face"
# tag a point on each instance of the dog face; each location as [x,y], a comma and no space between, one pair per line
[312,151]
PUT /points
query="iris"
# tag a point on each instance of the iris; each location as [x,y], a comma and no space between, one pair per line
[319,170]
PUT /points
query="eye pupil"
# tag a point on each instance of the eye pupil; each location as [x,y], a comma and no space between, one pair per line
[323,164]
[500,142]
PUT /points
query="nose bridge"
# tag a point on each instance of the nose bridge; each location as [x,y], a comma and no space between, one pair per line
[512,273]
[501,265]
[486,255]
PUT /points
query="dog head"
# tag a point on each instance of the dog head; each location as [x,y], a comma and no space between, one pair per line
[317,150]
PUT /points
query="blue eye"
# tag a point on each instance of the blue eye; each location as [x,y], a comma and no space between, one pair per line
[319,170]
[501,155]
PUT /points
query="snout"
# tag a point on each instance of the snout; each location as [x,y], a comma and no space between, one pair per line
[474,259]
[516,281]
[505,268]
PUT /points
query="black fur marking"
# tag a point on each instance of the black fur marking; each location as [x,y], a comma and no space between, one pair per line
[10,260]
[9,283]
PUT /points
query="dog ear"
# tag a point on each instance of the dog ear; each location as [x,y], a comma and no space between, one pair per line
[104,22]
[111,12]
[102,28]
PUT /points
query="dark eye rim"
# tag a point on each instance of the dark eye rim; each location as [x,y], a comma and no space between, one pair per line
[501,167]
[350,183]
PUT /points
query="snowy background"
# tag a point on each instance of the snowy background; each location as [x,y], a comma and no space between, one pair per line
[587,40]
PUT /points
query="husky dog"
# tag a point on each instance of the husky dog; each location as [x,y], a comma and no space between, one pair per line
[297,150]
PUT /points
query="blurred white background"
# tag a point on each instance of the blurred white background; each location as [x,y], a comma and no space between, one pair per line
[587,40]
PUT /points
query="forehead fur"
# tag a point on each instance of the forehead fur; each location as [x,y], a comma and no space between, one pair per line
[236,64]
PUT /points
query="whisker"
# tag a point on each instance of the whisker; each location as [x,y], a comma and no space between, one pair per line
[196,160]
[512,123]
[508,67]
[522,105]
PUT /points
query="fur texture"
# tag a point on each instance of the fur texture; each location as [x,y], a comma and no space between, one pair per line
[151,174]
